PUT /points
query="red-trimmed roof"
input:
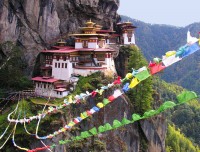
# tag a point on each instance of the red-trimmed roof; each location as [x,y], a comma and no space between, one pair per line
[59,51]
[60,86]
[75,50]
[96,50]
[44,79]
[63,47]
[129,26]
[86,49]
[60,89]
[104,49]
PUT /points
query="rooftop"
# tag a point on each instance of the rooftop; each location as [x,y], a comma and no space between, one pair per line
[44,79]
[88,35]
[63,47]
[105,31]
[60,51]
[60,89]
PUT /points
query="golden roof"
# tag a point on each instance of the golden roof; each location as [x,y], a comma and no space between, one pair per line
[90,23]
[128,22]
[61,42]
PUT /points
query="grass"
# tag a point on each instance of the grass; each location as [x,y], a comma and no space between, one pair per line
[42,101]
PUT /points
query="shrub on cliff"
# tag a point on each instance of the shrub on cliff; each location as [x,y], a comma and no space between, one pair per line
[141,95]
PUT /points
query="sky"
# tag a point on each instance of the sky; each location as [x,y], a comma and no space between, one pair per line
[171,12]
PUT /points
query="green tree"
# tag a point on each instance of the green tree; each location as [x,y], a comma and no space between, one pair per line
[141,95]
[176,141]
[12,73]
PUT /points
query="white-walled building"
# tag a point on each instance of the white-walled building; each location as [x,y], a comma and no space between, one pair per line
[127,35]
[89,55]
[46,86]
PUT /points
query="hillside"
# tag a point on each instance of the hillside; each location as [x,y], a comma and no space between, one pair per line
[154,40]
[185,117]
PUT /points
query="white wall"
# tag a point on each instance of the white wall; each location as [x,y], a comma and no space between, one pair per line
[62,73]
[47,65]
[125,37]
[60,94]
[93,45]
[40,90]
[48,91]
[110,64]
[78,45]
[107,41]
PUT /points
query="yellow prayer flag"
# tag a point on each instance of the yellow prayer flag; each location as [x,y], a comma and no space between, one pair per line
[100,105]
[70,99]
[82,116]
[133,83]
[170,53]
[101,91]
[129,75]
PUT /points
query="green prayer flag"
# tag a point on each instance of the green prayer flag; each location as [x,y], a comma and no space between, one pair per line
[107,127]
[53,146]
[136,117]
[93,131]
[105,101]
[85,114]
[61,142]
[125,121]
[142,75]
[116,124]
[150,113]
[186,96]
[78,137]
[85,134]
[101,129]
[166,105]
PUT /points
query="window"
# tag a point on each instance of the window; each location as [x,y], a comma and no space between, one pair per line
[57,58]
[60,93]
[65,65]
[85,43]
[62,65]
[101,57]
[38,85]
[129,39]
[64,58]
[56,65]
[45,86]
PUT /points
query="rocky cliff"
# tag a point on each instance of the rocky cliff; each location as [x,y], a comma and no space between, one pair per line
[141,136]
[33,24]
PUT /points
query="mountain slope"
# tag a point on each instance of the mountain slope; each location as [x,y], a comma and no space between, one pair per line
[155,40]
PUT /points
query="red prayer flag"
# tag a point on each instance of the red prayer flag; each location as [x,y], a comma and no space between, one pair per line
[155,68]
